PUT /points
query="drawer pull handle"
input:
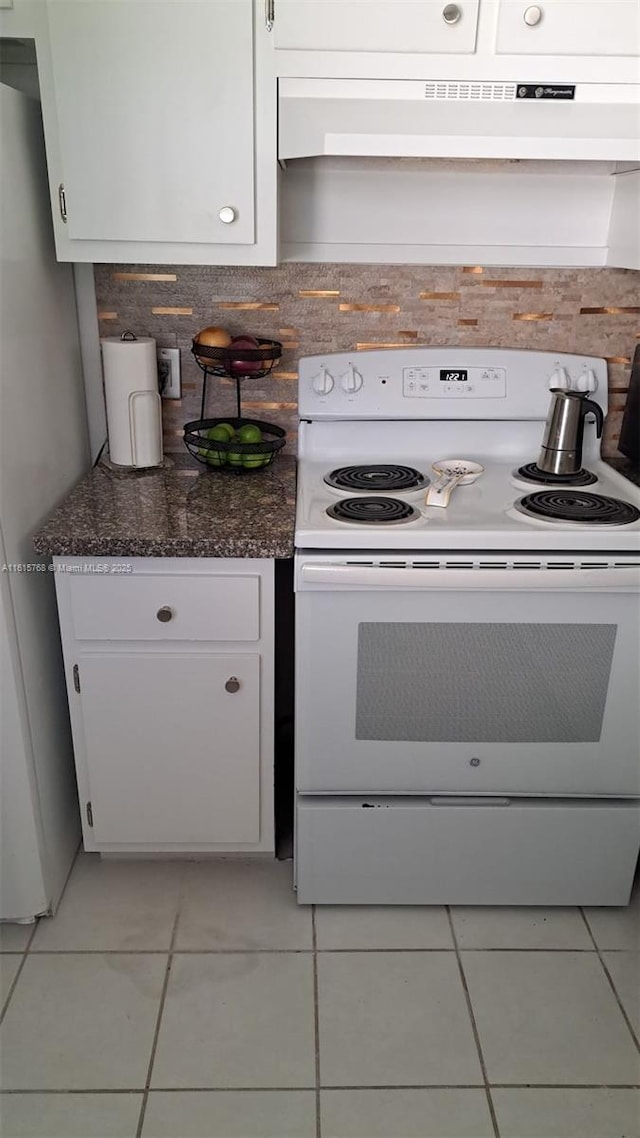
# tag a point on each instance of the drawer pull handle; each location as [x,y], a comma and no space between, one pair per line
[232,684]
[451,14]
[165,614]
[533,16]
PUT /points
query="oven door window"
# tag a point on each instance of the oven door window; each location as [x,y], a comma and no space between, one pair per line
[466,683]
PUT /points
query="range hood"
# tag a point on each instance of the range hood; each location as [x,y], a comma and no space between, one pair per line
[454,119]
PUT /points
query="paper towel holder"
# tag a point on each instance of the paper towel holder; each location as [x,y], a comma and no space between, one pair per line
[133,404]
[134,417]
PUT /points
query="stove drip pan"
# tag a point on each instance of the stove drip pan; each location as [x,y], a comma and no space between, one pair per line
[577,508]
[387,476]
[373,511]
[531,473]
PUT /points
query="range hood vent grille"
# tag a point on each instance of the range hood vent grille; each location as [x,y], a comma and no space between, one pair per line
[455,118]
[478,92]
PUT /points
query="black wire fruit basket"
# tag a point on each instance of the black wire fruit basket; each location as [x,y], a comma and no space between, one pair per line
[235,444]
[232,452]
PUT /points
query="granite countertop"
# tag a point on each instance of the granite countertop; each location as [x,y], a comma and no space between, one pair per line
[177,510]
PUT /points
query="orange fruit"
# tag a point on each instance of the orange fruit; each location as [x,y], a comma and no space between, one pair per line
[212,337]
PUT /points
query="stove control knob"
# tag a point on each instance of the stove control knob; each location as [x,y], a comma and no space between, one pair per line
[560,378]
[351,381]
[323,382]
[587,381]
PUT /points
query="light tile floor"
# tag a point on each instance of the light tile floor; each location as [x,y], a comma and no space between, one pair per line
[197,1000]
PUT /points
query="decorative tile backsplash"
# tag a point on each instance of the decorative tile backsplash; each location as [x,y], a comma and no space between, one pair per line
[316,308]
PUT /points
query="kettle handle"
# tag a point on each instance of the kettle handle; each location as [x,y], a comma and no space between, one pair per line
[591,405]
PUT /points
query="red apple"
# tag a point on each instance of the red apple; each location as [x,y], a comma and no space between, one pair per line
[239,365]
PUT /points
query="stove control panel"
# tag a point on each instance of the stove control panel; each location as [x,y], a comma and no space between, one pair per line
[448,382]
[442,382]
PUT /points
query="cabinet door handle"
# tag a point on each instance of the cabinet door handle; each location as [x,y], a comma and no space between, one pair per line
[233,684]
[62,202]
[451,14]
[533,15]
[165,614]
[227,214]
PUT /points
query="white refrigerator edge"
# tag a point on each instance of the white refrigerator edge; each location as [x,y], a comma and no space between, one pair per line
[44,450]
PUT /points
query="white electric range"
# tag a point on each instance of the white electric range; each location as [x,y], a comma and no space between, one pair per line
[466,676]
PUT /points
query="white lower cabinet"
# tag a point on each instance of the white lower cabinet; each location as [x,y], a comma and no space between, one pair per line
[173,733]
[168,768]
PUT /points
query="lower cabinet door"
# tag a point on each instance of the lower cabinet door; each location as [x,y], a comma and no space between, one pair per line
[172,747]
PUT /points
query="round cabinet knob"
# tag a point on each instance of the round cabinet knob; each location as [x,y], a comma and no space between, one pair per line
[560,378]
[228,214]
[323,382]
[451,13]
[532,15]
[165,614]
[351,381]
[232,684]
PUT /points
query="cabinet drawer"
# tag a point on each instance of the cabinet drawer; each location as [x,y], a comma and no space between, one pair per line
[158,607]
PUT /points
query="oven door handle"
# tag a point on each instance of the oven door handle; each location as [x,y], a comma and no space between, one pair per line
[613,580]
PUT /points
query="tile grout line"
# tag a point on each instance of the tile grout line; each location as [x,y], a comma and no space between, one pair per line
[611,983]
[285,951]
[316,1019]
[474,1026]
[163,996]
[12,986]
[327,1087]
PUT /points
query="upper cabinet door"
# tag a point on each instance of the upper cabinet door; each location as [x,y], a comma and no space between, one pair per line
[421,26]
[154,105]
[569,27]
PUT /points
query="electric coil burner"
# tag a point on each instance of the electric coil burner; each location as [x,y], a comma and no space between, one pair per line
[373,511]
[531,473]
[387,476]
[573,507]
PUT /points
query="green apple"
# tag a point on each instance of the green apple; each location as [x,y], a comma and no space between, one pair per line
[220,433]
[249,433]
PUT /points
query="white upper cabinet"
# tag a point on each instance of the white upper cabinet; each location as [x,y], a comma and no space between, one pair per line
[139,163]
[432,26]
[569,27]
[149,120]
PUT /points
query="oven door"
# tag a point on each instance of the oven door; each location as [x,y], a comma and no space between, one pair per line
[506,679]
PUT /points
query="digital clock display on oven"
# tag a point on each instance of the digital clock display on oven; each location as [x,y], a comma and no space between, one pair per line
[453,376]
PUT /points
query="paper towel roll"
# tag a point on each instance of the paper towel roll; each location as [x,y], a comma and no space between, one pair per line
[134,412]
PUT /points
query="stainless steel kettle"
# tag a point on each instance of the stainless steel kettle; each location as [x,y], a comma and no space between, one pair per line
[561,451]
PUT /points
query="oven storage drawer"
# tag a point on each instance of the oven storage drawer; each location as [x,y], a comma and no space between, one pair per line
[430,851]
